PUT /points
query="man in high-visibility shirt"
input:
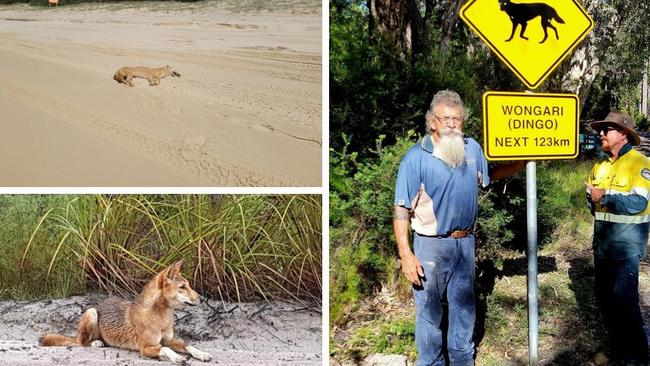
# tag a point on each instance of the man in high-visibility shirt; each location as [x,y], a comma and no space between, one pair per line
[618,193]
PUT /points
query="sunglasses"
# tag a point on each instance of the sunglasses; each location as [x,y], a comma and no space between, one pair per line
[606,129]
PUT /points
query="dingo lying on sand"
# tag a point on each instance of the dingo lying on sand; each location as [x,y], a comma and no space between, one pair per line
[125,74]
[145,325]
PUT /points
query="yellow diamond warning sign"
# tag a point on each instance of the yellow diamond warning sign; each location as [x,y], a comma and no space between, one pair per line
[524,126]
[531,37]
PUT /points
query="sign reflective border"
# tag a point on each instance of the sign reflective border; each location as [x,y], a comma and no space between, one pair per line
[531,37]
[525,126]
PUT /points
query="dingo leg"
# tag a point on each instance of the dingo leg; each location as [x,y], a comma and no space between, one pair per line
[88,329]
[180,346]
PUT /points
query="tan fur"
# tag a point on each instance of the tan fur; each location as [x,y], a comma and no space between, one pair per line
[145,325]
[126,74]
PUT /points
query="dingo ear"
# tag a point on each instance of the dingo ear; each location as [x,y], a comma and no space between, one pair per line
[175,269]
[162,277]
[169,273]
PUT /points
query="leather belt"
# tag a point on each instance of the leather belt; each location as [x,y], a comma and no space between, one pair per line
[458,234]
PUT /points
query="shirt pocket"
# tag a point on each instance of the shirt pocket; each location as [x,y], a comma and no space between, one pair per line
[601,177]
[620,184]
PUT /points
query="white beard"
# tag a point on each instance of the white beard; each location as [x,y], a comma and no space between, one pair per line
[451,146]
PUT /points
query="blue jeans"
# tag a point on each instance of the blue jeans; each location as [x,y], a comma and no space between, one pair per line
[448,270]
[617,295]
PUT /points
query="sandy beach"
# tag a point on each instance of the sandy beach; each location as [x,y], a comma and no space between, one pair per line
[235,334]
[246,110]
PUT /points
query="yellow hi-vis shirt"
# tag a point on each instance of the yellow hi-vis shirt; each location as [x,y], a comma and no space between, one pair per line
[622,215]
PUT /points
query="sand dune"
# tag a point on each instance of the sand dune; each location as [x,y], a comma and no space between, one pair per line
[246,111]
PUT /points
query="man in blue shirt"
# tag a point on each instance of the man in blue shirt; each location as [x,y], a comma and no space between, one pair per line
[437,194]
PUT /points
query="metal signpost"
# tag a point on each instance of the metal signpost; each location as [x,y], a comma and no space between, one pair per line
[532,39]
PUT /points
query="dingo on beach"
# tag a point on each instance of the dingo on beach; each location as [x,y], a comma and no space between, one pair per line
[125,74]
[145,325]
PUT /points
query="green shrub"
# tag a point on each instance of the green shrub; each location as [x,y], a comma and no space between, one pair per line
[362,248]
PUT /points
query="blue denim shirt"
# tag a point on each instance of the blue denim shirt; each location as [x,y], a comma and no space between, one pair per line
[442,198]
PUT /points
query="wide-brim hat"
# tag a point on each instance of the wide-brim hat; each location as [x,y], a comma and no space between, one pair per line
[622,120]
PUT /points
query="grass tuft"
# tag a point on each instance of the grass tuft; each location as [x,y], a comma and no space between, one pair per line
[235,248]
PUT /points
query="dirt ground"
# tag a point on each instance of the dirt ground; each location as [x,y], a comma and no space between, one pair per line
[556,354]
[235,334]
[246,110]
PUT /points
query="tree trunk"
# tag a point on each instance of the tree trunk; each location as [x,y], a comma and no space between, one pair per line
[428,10]
[398,22]
[644,92]
[417,24]
[449,22]
[388,19]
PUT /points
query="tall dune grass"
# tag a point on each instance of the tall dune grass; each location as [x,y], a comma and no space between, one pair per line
[235,248]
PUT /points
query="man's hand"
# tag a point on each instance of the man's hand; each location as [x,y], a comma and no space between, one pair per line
[412,269]
[501,171]
[595,193]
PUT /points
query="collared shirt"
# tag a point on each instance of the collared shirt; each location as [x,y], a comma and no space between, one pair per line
[622,217]
[441,198]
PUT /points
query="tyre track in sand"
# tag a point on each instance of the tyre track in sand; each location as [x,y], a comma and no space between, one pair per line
[250,83]
[291,111]
[212,170]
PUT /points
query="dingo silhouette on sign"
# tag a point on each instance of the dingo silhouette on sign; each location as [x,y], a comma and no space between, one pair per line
[520,14]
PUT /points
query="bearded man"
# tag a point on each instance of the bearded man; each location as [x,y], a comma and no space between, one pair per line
[437,193]
[618,192]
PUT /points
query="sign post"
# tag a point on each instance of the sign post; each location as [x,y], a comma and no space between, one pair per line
[532,39]
[531,253]
[526,126]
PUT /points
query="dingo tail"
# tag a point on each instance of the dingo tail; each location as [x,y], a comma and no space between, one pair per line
[51,339]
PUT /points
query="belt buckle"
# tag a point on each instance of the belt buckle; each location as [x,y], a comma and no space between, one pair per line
[458,234]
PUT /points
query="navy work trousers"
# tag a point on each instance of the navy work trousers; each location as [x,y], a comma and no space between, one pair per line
[617,295]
